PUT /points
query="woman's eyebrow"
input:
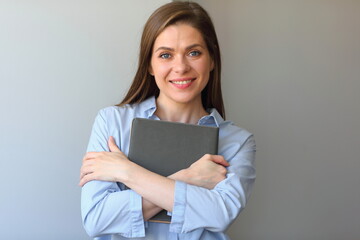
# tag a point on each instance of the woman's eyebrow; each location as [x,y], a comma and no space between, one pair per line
[194,46]
[164,48]
[172,49]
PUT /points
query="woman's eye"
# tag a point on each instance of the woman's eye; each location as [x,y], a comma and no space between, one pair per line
[194,53]
[165,55]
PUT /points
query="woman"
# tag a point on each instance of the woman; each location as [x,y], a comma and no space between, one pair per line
[178,79]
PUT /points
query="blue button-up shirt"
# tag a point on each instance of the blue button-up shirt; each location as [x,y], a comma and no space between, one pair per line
[110,211]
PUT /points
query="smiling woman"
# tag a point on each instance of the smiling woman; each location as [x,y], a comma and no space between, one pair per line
[176,13]
[178,79]
[181,66]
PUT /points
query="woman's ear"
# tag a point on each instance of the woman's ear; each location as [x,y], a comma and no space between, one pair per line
[212,65]
[150,70]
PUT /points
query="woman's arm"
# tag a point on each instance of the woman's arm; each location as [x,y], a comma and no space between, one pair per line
[107,208]
[206,172]
[196,207]
[114,166]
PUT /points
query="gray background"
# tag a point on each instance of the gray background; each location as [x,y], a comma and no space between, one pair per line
[290,75]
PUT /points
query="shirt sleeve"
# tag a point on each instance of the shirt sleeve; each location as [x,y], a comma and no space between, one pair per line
[105,208]
[197,207]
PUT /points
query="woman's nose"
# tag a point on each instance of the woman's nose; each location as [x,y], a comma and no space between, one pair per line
[181,65]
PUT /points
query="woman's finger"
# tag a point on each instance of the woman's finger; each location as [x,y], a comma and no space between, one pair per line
[85,179]
[112,145]
[220,160]
[86,168]
[91,155]
[222,170]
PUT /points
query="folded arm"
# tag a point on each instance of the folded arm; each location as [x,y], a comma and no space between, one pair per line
[214,210]
[157,192]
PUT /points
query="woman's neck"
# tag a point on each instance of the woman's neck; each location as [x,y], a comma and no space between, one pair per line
[178,112]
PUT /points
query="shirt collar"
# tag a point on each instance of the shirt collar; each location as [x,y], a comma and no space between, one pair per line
[148,106]
[214,118]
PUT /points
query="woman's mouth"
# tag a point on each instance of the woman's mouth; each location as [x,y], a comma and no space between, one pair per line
[182,83]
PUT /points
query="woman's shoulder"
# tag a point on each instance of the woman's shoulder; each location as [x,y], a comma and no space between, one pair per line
[128,110]
[118,109]
[112,113]
[227,128]
[230,130]
[234,139]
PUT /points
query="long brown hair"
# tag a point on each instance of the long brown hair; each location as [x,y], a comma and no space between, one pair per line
[144,86]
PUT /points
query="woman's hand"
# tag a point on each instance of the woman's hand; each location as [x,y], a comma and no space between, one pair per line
[157,191]
[205,172]
[104,166]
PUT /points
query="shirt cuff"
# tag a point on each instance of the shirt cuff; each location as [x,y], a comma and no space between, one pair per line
[137,219]
[178,213]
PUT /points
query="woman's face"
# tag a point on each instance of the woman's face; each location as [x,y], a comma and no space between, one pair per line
[181,64]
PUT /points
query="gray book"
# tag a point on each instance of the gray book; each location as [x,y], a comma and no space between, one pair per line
[167,147]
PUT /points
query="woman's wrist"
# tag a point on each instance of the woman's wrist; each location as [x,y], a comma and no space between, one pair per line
[127,171]
[183,175]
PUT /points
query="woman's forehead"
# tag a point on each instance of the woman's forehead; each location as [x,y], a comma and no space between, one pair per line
[179,36]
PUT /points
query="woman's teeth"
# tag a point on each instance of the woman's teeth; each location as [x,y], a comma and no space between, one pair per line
[181,82]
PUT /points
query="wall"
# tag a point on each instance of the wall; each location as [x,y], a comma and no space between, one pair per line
[60,62]
[291,76]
